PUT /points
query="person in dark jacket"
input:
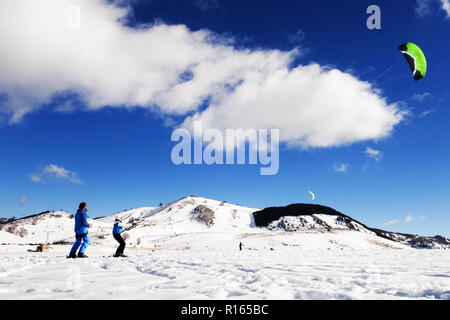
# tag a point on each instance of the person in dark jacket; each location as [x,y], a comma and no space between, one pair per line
[81,232]
[117,230]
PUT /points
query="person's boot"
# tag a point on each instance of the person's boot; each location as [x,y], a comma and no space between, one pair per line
[119,255]
[72,256]
[82,255]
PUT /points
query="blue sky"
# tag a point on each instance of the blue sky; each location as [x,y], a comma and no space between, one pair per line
[118,157]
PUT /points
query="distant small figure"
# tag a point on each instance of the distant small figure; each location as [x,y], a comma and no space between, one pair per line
[240,246]
[117,230]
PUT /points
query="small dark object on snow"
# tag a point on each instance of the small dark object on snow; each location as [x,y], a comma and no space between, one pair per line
[42,248]
[205,214]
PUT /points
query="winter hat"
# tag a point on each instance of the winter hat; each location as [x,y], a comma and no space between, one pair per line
[118,219]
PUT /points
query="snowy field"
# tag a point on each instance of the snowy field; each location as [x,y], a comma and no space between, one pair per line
[283,273]
[177,252]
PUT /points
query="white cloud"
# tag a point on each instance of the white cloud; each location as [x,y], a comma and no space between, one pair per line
[312,106]
[423,8]
[341,168]
[390,222]
[446,7]
[421,96]
[299,36]
[54,173]
[23,200]
[409,218]
[35,178]
[426,112]
[109,64]
[207,4]
[374,154]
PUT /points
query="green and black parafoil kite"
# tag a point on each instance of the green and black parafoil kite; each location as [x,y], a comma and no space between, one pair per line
[416,59]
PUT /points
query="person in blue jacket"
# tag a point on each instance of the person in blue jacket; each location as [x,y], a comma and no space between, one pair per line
[117,230]
[81,232]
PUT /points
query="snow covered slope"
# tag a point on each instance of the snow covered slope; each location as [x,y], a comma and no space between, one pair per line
[46,227]
[196,214]
[40,228]
[128,215]
[202,224]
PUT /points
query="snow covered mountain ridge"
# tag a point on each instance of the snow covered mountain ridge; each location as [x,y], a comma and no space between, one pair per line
[195,222]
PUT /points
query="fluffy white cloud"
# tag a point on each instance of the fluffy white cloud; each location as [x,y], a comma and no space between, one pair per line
[424,7]
[374,154]
[409,218]
[49,49]
[446,7]
[55,173]
[109,64]
[311,105]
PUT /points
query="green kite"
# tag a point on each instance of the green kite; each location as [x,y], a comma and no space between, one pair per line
[416,59]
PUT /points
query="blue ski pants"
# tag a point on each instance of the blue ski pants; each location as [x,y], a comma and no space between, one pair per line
[76,245]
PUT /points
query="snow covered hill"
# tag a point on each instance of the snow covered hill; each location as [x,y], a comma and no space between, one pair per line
[203,224]
[302,217]
[44,227]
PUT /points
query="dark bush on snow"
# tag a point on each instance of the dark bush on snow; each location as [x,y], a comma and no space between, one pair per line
[7,220]
[11,229]
[23,232]
[61,242]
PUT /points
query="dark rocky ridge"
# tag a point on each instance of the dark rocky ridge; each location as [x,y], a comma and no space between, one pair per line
[266,216]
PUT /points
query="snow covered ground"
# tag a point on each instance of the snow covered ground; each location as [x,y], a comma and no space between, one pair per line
[188,249]
[282,273]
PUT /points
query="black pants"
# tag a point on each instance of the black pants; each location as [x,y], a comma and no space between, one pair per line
[120,240]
